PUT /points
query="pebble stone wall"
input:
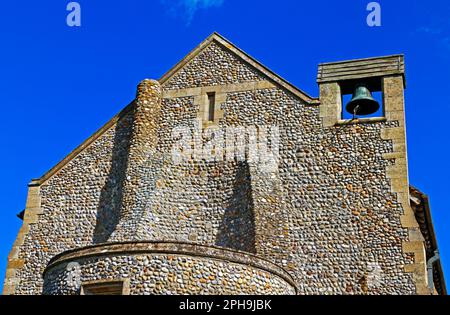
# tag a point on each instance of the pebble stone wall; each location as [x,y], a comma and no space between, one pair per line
[327,215]
[166,274]
[213,66]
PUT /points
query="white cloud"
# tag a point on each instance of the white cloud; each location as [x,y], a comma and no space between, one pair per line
[440,33]
[187,8]
[436,25]
[429,30]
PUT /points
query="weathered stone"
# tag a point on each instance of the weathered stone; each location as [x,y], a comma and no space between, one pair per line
[336,205]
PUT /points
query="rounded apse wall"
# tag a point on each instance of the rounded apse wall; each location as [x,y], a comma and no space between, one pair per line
[165,268]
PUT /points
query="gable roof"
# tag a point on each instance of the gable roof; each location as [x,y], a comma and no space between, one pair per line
[217,38]
[214,37]
[111,123]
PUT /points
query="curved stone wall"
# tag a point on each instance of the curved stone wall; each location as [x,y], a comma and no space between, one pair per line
[166,268]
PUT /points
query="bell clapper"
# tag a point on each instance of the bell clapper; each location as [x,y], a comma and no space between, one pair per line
[355,111]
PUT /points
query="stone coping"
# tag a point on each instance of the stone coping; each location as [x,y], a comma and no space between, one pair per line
[215,37]
[176,248]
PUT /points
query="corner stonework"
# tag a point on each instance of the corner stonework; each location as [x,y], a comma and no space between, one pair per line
[330,108]
[31,216]
[398,174]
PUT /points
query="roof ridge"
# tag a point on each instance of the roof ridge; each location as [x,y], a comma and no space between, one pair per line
[253,62]
[212,37]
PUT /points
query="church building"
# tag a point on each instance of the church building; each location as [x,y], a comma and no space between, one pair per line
[221,177]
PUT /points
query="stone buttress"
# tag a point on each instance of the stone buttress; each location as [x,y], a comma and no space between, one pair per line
[142,149]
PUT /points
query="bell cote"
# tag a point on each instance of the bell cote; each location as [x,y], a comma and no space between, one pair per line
[360,79]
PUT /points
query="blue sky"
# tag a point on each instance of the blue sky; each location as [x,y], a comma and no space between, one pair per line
[60,84]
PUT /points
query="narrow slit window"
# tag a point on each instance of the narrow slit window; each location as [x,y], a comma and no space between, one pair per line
[211,105]
[103,288]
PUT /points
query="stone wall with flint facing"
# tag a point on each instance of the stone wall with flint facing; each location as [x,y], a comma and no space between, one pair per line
[333,214]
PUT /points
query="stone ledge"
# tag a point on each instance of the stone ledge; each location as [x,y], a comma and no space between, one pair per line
[360,121]
[177,248]
[219,89]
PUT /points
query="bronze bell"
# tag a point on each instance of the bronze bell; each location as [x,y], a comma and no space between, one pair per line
[362,102]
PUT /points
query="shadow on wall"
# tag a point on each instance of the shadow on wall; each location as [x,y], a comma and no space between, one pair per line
[237,230]
[108,212]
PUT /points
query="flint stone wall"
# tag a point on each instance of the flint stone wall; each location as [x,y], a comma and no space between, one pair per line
[203,271]
[334,215]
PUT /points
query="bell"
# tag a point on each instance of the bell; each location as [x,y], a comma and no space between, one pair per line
[362,102]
